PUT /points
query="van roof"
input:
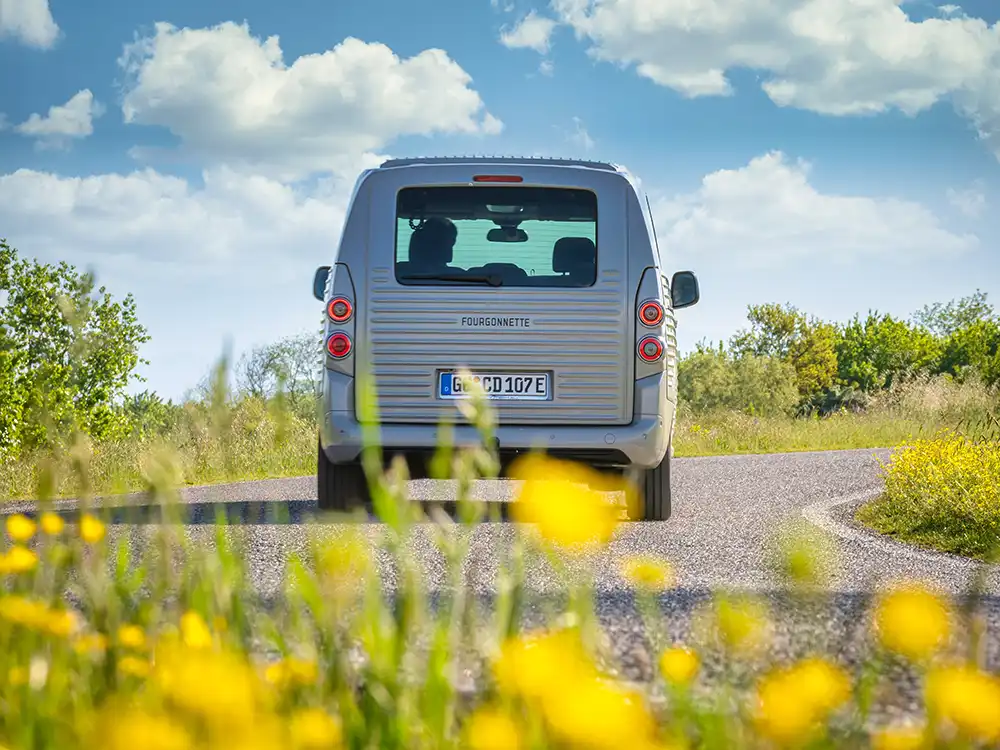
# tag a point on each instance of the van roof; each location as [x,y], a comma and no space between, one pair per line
[539,161]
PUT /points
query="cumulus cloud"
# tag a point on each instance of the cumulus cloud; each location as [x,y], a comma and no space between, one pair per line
[531,32]
[29,21]
[767,213]
[167,221]
[835,57]
[231,98]
[971,201]
[72,120]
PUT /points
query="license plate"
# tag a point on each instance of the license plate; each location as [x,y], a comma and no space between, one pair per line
[511,386]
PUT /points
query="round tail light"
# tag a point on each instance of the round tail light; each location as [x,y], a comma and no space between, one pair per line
[651,313]
[339,345]
[650,349]
[340,309]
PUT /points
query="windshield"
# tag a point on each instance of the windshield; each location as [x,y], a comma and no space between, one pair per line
[505,236]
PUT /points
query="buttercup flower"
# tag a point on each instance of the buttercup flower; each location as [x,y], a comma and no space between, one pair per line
[194,631]
[535,664]
[740,623]
[792,703]
[679,665]
[489,729]
[912,621]
[51,523]
[966,698]
[134,666]
[648,572]
[131,636]
[18,559]
[899,738]
[135,729]
[560,499]
[91,529]
[314,729]
[596,713]
[20,528]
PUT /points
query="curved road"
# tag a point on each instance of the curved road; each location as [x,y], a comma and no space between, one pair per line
[725,512]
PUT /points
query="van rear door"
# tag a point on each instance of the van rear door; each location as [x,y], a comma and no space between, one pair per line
[532,296]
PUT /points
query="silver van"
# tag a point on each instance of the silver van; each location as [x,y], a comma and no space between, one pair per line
[540,277]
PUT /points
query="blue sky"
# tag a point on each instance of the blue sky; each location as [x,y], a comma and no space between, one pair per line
[838,155]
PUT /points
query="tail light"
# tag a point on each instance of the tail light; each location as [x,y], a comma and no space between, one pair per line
[651,313]
[340,309]
[339,345]
[497,178]
[650,349]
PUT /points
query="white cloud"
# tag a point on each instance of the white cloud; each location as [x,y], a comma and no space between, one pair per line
[161,219]
[767,213]
[74,119]
[970,201]
[232,99]
[835,57]
[29,21]
[949,10]
[546,68]
[531,32]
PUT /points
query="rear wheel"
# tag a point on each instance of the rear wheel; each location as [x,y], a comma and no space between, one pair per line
[340,487]
[654,505]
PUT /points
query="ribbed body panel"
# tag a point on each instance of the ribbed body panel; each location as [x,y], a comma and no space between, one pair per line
[581,336]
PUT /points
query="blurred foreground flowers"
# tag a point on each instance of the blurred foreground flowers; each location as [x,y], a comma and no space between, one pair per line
[161,643]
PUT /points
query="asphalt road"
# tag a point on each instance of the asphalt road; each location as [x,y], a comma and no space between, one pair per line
[726,510]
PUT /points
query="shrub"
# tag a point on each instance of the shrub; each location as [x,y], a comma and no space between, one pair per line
[944,492]
[710,380]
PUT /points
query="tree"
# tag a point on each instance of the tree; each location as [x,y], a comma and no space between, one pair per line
[713,379]
[973,347]
[945,319]
[289,365]
[874,353]
[67,353]
[785,333]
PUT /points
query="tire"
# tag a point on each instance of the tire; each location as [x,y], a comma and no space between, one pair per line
[655,501]
[340,487]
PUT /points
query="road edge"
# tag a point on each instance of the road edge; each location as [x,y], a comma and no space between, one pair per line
[819,514]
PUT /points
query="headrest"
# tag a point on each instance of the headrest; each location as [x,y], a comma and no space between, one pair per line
[570,253]
[433,242]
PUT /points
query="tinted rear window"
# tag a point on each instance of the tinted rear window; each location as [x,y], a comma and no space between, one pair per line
[496,236]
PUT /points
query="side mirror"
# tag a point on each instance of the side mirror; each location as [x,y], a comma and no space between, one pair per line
[319,282]
[684,290]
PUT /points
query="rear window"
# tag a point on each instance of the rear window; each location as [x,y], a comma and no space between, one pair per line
[496,236]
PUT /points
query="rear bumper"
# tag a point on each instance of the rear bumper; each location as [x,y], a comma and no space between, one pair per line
[642,444]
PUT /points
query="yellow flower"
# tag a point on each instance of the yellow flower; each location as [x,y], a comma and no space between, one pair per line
[91,529]
[134,666]
[912,621]
[740,623]
[18,676]
[90,643]
[596,713]
[314,729]
[899,738]
[793,702]
[219,687]
[679,665]
[194,631]
[560,499]
[24,612]
[966,698]
[52,524]
[20,528]
[61,622]
[648,572]
[532,665]
[489,729]
[18,559]
[134,728]
[291,671]
[131,636]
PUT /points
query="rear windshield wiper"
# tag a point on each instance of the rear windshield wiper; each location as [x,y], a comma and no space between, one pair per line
[492,279]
